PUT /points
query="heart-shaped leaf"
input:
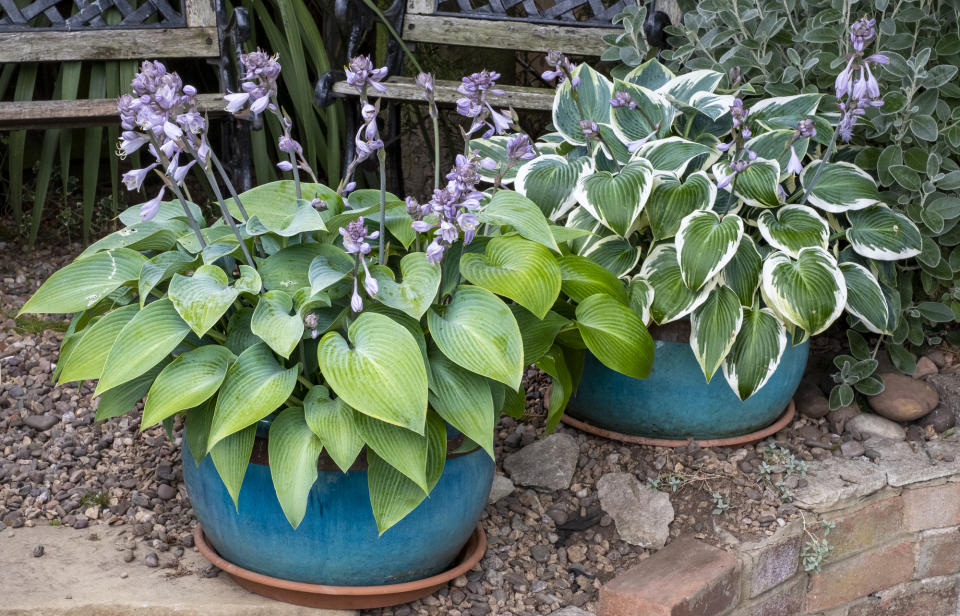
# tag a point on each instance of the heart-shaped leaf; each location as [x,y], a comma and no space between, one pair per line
[382,374]
[641,298]
[673,154]
[495,148]
[705,244]
[336,424]
[276,322]
[650,113]
[203,298]
[615,254]
[416,292]
[616,200]
[883,234]
[287,219]
[651,74]
[289,268]
[85,282]
[150,235]
[840,187]
[785,111]
[865,299]
[550,180]
[463,399]
[793,227]
[477,331]
[513,267]
[507,207]
[231,456]
[403,449]
[713,328]
[809,292]
[188,381]
[757,185]
[683,87]
[776,144]
[756,352]
[672,299]
[160,268]
[274,198]
[616,335]
[582,277]
[293,462]
[85,362]
[592,103]
[671,201]
[742,273]
[329,268]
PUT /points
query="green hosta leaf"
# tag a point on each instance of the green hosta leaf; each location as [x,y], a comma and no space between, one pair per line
[616,335]
[652,109]
[403,449]
[168,210]
[287,219]
[203,298]
[671,201]
[477,331]
[742,273]
[415,293]
[255,386]
[289,268]
[865,299]
[85,282]
[197,429]
[841,187]
[121,399]
[239,336]
[161,267]
[593,94]
[616,200]
[142,343]
[550,180]
[883,234]
[713,328]
[336,424]
[329,268]
[705,244]
[538,334]
[672,154]
[616,254]
[757,185]
[231,456]
[273,322]
[793,227]
[273,199]
[382,374]
[672,299]
[150,235]
[188,381]
[582,278]
[249,280]
[561,385]
[293,462]
[463,400]
[683,87]
[511,208]
[809,292]
[641,298]
[513,267]
[85,362]
[756,352]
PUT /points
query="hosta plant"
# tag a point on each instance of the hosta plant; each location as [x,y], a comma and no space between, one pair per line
[359,321]
[697,206]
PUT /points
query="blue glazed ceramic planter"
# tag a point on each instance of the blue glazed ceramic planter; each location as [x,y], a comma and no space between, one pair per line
[337,543]
[676,402]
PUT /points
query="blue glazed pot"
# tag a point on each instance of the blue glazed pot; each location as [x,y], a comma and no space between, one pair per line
[337,542]
[676,402]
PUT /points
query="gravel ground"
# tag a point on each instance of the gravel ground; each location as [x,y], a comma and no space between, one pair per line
[548,549]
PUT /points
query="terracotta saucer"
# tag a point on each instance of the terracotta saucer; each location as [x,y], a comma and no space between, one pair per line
[345,597]
[733,441]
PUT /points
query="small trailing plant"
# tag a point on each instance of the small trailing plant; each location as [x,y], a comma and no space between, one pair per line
[817,549]
[720,504]
[352,319]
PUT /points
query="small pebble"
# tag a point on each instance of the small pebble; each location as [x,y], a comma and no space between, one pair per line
[152,560]
[38,551]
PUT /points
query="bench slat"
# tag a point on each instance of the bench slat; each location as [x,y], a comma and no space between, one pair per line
[406,88]
[82,112]
[111,44]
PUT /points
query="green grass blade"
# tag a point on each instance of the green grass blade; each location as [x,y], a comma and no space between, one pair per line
[6,76]
[92,140]
[70,84]
[23,91]
[113,72]
[50,139]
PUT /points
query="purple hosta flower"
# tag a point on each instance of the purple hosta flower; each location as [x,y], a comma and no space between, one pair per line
[289,145]
[633,146]
[453,206]
[518,148]
[806,129]
[349,188]
[856,87]
[736,167]
[285,165]
[133,179]
[738,113]
[589,129]
[794,165]
[311,321]
[258,84]
[862,32]
[354,237]
[425,80]
[623,99]
[149,209]
[473,103]
[561,68]
[360,74]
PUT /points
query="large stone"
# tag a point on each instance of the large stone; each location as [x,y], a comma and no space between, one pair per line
[642,515]
[838,419]
[868,425]
[501,488]
[947,385]
[811,402]
[904,398]
[547,464]
[940,419]
[834,483]
[925,367]
[41,422]
[906,463]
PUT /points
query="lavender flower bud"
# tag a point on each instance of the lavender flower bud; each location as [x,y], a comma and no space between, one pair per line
[806,129]
[794,165]
[360,74]
[623,99]
[354,236]
[284,165]
[149,209]
[862,32]
[286,144]
[311,320]
[356,302]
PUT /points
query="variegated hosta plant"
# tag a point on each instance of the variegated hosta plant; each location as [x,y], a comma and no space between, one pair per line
[727,216]
[285,301]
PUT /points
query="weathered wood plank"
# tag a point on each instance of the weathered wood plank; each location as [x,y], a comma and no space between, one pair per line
[420,7]
[406,88]
[83,112]
[573,40]
[201,14]
[109,45]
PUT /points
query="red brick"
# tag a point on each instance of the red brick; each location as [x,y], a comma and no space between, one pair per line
[939,553]
[686,578]
[785,600]
[866,528]
[937,597]
[935,506]
[773,561]
[860,575]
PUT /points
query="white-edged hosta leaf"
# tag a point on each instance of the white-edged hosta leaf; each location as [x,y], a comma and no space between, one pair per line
[670,201]
[550,180]
[329,268]
[865,299]
[538,334]
[507,207]
[672,154]
[418,287]
[756,352]
[614,253]
[287,219]
[477,331]
[714,106]
[808,291]
[651,74]
[672,299]
[883,234]
[94,346]
[494,148]
[255,386]
[841,187]
[617,200]
[583,277]
[591,229]
[713,328]
[514,267]
[403,449]
[785,111]
[293,462]
[705,244]
[757,185]
[652,113]
[159,268]
[684,86]
[616,335]
[463,399]
[143,342]
[593,96]
[793,227]
[775,145]
[641,298]
[231,456]
[382,374]
[188,381]
[336,424]
[276,322]
[201,299]
[742,273]
[85,282]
